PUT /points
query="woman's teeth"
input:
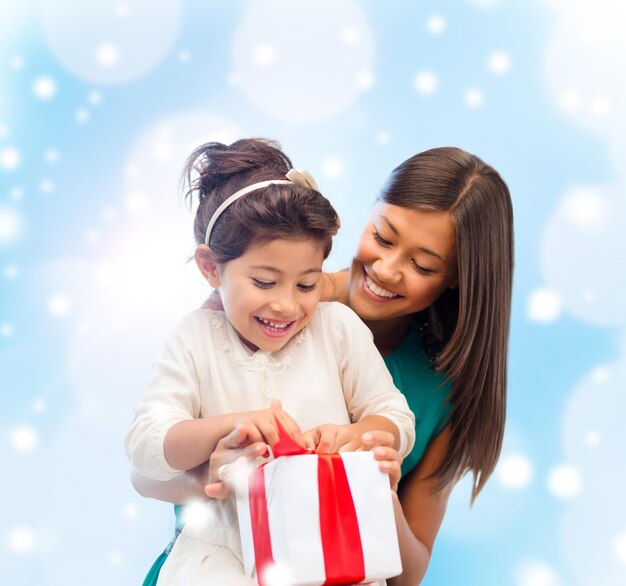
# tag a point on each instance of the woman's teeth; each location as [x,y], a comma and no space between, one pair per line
[374,288]
[274,326]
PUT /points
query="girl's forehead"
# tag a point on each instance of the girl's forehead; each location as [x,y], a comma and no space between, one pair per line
[284,254]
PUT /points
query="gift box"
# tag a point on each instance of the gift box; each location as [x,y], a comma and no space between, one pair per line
[309,519]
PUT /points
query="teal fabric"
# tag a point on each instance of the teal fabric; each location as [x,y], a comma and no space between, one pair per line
[425,391]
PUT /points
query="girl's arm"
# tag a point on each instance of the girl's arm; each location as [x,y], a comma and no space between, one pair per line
[420,509]
[189,444]
[204,480]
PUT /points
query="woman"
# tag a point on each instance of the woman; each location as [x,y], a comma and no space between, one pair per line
[432,278]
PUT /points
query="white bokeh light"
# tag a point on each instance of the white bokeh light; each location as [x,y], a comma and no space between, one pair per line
[21,540]
[426,82]
[274,55]
[593,431]
[47,186]
[544,305]
[436,24]
[51,156]
[114,558]
[107,55]
[277,574]
[11,272]
[10,225]
[333,167]
[581,247]
[59,305]
[536,573]
[24,438]
[582,59]
[383,138]
[94,98]
[197,514]
[474,98]
[44,88]
[485,3]
[110,46]
[564,481]
[10,158]
[514,471]
[82,115]
[619,546]
[16,62]
[39,406]
[499,62]
[6,330]
[16,193]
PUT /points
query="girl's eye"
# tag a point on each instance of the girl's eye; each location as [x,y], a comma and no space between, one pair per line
[262,284]
[380,239]
[420,269]
[307,288]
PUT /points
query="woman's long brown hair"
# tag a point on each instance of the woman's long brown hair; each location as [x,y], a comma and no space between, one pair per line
[471,322]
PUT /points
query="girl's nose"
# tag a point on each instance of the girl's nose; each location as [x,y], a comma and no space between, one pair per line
[284,303]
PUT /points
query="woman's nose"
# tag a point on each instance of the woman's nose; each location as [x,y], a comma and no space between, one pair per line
[386,269]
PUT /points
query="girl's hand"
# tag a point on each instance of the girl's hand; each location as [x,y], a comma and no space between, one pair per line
[264,428]
[330,438]
[238,443]
[381,443]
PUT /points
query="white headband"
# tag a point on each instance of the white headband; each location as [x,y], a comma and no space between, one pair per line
[300,177]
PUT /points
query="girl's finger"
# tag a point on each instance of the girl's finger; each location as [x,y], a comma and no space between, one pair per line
[290,426]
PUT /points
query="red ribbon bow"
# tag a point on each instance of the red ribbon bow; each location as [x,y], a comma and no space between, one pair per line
[339,527]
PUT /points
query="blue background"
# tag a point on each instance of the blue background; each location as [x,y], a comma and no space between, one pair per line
[101,102]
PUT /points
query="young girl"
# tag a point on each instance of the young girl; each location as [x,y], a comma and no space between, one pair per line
[265,232]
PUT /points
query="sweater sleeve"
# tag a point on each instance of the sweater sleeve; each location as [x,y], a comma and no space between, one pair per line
[171,396]
[367,385]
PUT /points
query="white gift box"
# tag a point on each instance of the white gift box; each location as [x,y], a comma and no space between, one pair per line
[295,546]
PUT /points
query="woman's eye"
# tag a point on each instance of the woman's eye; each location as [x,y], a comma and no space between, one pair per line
[380,239]
[307,288]
[262,284]
[420,269]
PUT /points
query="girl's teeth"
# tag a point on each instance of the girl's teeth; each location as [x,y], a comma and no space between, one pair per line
[277,327]
[374,288]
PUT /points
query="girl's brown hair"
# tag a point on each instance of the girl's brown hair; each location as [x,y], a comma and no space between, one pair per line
[471,323]
[215,171]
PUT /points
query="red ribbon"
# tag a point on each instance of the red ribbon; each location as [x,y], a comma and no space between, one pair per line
[339,527]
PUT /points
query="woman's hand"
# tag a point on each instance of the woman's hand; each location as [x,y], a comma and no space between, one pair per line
[335,286]
[213,301]
[330,438]
[381,443]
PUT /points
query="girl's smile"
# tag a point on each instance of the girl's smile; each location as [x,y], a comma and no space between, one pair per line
[270,292]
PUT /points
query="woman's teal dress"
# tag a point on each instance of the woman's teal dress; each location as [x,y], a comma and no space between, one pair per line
[425,392]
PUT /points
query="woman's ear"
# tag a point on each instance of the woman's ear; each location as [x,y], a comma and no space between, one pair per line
[205,259]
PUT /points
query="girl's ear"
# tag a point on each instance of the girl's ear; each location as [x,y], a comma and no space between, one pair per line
[205,259]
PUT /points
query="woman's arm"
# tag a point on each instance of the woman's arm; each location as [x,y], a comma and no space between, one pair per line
[182,489]
[335,286]
[419,510]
